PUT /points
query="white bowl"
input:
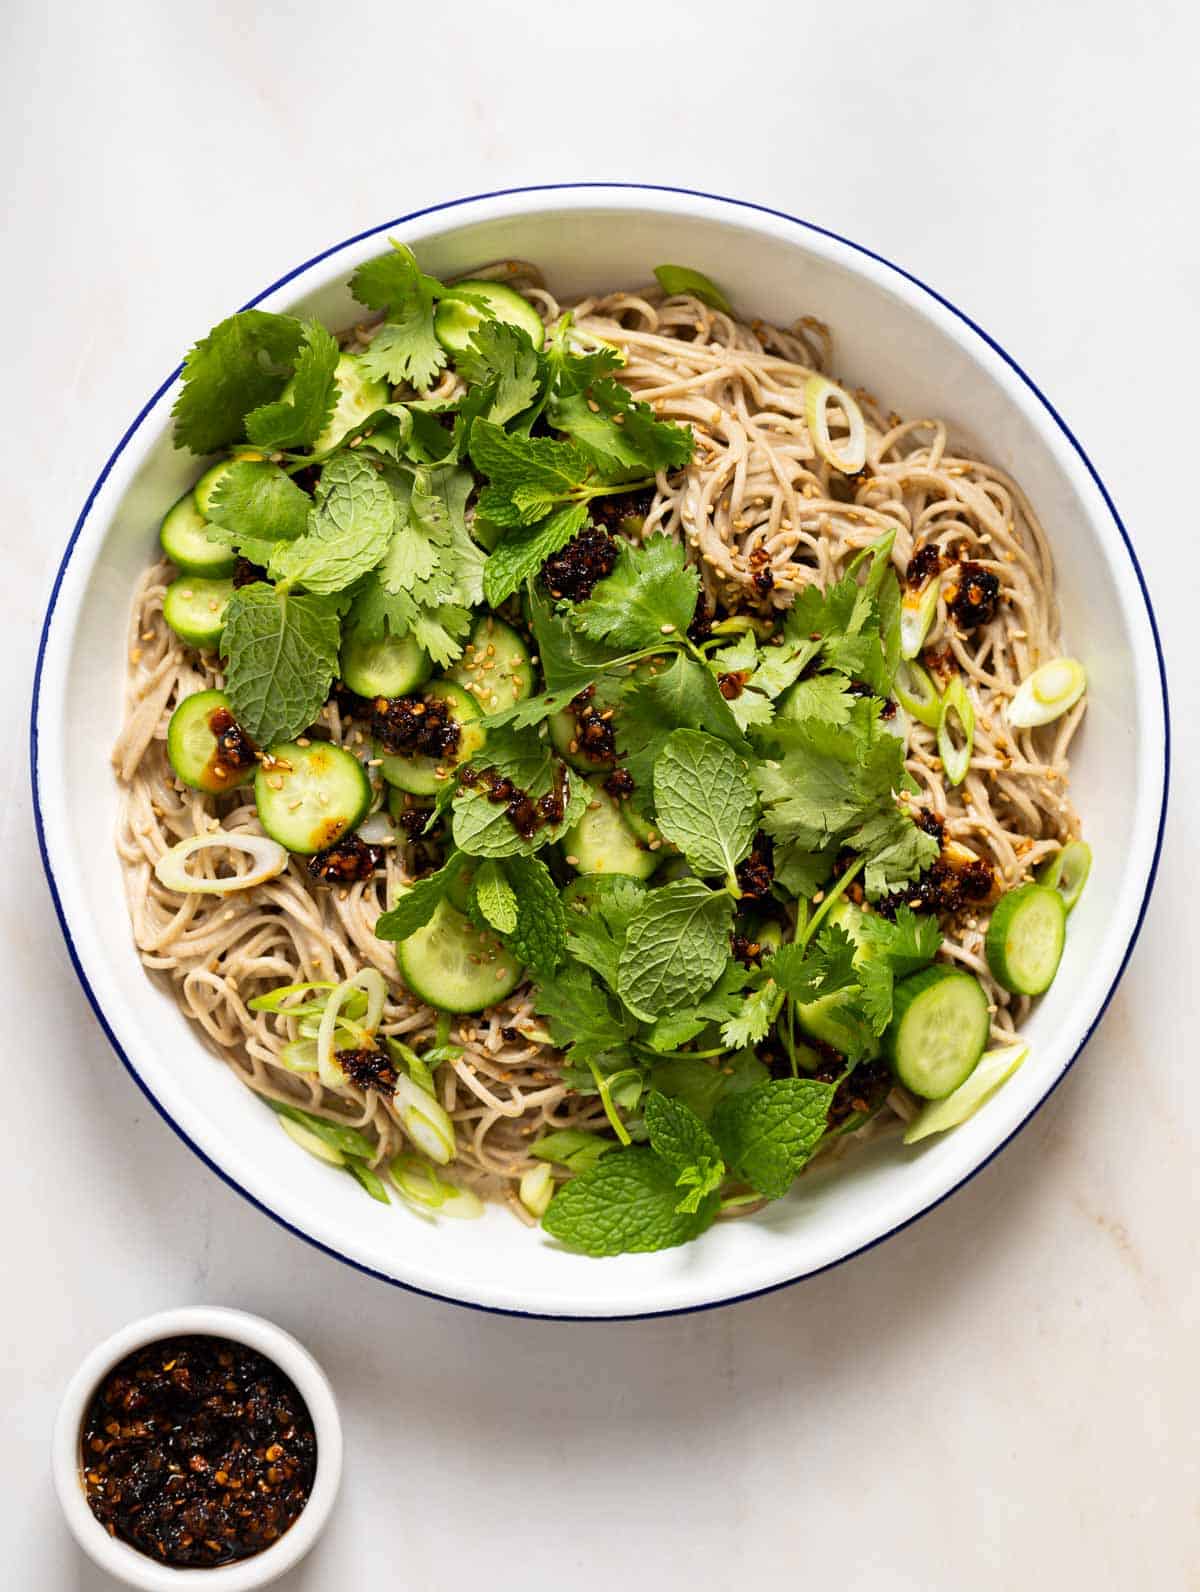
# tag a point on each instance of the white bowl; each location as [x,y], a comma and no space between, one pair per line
[919,354]
[125,1562]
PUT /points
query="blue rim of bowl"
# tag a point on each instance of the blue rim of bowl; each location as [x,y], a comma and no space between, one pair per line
[739,204]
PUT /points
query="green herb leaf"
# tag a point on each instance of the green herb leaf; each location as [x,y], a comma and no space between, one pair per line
[679,1136]
[495,898]
[768,1134]
[752,1022]
[349,530]
[413,909]
[702,1085]
[675,949]
[404,348]
[572,1147]
[282,656]
[584,1020]
[598,918]
[909,942]
[623,1205]
[624,437]
[569,660]
[651,594]
[254,506]
[682,279]
[526,548]
[806,973]
[483,828]
[241,364]
[684,695]
[504,368]
[303,412]
[705,801]
[539,937]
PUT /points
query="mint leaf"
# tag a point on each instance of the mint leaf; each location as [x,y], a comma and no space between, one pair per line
[282,656]
[539,936]
[650,594]
[624,1205]
[495,898]
[242,363]
[679,1136]
[584,1020]
[702,1084]
[572,1147]
[349,530]
[413,909]
[675,949]
[254,506]
[527,476]
[483,828]
[769,1133]
[404,348]
[303,411]
[526,548]
[704,801]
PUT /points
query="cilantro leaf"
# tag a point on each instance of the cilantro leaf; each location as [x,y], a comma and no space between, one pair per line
[242,363]
[650,594]
[675,948]
[625,1204]
[282,656]
[538,937]
[584,1020]
[704,801]
[769,1133]
[504,368]
[531,710]
[826,697]
[752,1022]
[526,548]
[831,777]
[573,1148]
[569,660]
[806,973]
[495,898]
[598,918]
[624,436]
[701,1084]
[909,941]
[255,506]
[299,416]
[685,695]
[685,1144]
[404,348]
[897,851]
[802,872]
[413,909]
[483,827]
[349,530]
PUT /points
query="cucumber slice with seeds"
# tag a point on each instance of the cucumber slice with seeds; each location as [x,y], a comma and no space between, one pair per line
[194,745]
[310,796]
[425,776]
[602,841]
[1025,939]
[391,667]
[939,1029]
[194,607]
[453,965]
[462,309]
[494,667]
[184,538]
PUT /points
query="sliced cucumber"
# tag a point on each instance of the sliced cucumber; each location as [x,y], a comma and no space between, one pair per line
[602,841]
[184,538]
[451,964]
[568,728]
[994,1069]
[468,303]
[194,607]
[829,1019]
[194,743]
[309,796]
[1025,939]
[359,395]
[391,667]
[494,667]
[424,776]
[203,490]
[1067,871]
[939,1029]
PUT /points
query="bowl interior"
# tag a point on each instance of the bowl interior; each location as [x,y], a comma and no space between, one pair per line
[917,356]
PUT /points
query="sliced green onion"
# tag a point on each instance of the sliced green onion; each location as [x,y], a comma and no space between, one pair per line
[276,999]
[426,1122]
[348,1035]
[371,1181]
[990,1072]
[956,758]
[337,1135]
[1067,871]
[300,1055]
[1047,694]
[916,693]
[371,981]
[268,860]
[300,1135]
[537,1190]
[417,1069]
[419,1183]
[917,609]
[682,279]
[850,454]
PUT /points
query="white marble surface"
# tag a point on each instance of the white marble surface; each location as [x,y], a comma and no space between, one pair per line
[1005,1393]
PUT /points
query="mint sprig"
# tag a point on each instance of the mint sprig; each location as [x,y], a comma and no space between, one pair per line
[281,654]
[705,801]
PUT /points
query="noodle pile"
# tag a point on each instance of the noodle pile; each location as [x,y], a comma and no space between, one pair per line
[755,497]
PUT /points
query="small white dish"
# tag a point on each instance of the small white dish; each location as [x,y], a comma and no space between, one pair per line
[127,1564]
